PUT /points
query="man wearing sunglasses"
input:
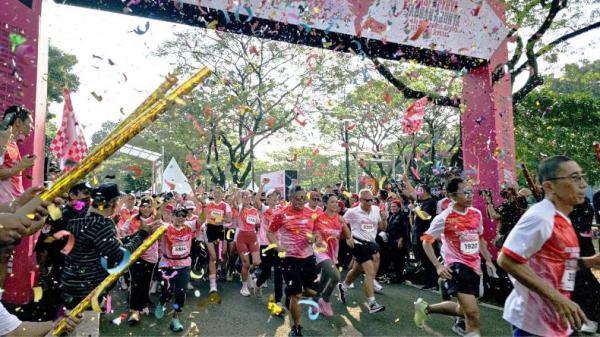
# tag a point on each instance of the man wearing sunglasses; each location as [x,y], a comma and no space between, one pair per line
[460,229]
[364,220]
[541,254]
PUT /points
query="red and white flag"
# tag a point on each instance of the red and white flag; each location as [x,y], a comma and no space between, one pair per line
[414,116]
[69,145]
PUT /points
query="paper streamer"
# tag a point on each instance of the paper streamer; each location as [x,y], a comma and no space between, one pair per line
[420,30]
[70,241]
[121,266]
[37,294]
[311,315]
[108,304]
[168,278]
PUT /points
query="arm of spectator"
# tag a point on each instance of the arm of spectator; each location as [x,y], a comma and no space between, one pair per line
[410,190]
[108,245]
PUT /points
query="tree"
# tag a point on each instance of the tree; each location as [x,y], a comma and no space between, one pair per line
[257,89]
[60,74]
[539,28]
[562,118]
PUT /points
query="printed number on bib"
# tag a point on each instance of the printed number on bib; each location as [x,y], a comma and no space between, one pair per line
[367,226]
[251,220]
[217,215]
[179,249]
[568,278]
[469,243]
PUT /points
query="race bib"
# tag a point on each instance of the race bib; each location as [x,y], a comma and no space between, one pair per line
[251,219]
[217,215]
[179,249]
[567,282]
[469,244]
[367,226]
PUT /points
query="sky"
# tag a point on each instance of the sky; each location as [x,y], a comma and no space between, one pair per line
[92,34]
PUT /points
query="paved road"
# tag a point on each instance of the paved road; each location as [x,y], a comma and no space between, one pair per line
[241,316]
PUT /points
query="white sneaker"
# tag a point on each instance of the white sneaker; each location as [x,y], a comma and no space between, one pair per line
[245,292]
[377,286]
[213,289]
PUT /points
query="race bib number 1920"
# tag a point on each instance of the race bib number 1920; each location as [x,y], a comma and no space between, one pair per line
[469,244]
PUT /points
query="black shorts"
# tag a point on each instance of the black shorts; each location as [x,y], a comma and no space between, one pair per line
[214,233]
[363,251]
[464,280]
[229,234]
[299,274]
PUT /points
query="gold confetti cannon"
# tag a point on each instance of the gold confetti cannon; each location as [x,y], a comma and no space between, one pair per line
[92,298]
[115,140]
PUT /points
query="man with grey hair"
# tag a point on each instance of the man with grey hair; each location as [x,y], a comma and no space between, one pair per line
[541,254]
[364,220]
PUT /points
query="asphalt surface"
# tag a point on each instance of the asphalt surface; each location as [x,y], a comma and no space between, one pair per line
[248,316]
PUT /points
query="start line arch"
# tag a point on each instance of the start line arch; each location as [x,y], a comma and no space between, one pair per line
[451,34]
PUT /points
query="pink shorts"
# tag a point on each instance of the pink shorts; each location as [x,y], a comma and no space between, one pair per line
[247,242]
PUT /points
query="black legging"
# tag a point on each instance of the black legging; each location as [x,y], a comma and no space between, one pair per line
[141,276]
[398,258]
[268,260]
[177,284]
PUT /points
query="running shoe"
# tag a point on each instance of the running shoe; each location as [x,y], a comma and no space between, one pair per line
[376,286]
[296,331]
[420,312]
[245,292]
[459,326]
[342,292]
[176,325]
[159,311]
[134,318]
[375,307]
[325,308]
[213,289]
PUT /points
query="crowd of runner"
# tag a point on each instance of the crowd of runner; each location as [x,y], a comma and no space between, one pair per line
[304,239]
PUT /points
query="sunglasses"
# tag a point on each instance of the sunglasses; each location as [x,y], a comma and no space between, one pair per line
[367,200]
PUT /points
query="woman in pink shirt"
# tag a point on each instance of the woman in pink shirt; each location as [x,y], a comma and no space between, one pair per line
[329,226]
[175,247]
[247,241]
[141,272]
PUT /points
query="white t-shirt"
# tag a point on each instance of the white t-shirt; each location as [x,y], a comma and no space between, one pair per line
[362,224]
[8,321]
[545,239]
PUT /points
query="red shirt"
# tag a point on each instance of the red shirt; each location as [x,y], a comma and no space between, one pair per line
[248,219]
[11,187]
[330,228]
[176,246]
[295,230]
[215,213]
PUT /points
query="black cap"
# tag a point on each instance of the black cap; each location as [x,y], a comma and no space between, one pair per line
[106,192]
[80,186]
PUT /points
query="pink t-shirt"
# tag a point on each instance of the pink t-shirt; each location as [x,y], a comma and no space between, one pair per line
[460,234]
[248,219]
[176,246]
[295,229]
[151,254]
[11,187]
[330,228]
[545,239]
[265,218]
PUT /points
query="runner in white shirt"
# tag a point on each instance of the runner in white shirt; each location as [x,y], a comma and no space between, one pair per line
[364,221]
[460,228]
[541,254]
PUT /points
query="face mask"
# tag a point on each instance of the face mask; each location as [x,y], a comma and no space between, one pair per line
[78,205]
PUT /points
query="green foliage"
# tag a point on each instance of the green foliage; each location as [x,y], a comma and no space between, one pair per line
[561,118]
[60,74]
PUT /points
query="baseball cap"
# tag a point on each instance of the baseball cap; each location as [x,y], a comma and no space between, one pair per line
[189,205]
[106,192]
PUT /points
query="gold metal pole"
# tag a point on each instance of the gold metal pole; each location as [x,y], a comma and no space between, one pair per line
[113,142]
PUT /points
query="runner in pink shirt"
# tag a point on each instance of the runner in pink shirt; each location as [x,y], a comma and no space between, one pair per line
[460,228]
[330,225]
[296,235]
[175,247]
[247,242]
[541,254]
